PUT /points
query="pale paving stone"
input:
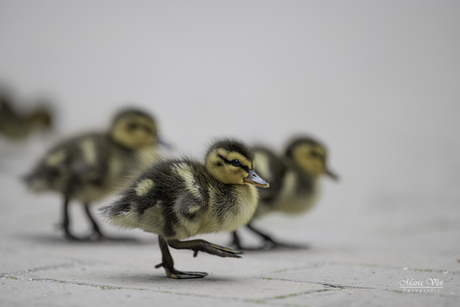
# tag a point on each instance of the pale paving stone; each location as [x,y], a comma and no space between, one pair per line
[50,293]
[135,276]
[370,277]
[359,297]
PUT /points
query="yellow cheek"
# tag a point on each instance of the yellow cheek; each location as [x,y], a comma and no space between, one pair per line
[318,168]
[240,175]
[140,138]
[232,175]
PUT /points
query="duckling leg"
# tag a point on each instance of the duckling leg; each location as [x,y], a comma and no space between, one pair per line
[66,223]
[236,240]
[96,230]
[269,242]
[168,263]
[206,247]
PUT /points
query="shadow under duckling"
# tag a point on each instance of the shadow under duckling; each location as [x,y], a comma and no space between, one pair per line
[178,199]
[17,125]
[88,167]
[294,183]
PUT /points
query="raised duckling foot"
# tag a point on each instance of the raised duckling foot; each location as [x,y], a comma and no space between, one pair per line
[205,247]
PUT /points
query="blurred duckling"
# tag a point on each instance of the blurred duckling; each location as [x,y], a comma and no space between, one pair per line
[17,125]
[88,167]
[294,182]
[178,199]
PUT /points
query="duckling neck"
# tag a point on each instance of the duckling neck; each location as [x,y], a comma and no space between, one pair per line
[301,197]
[248,197]
[120,145]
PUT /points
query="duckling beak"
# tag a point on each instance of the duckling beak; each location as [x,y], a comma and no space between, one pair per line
[164,143]
[255,179]
[332,175]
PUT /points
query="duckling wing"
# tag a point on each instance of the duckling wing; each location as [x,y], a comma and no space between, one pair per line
[166,200]
[72,166]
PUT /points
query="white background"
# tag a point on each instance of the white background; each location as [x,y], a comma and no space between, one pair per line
[377,81]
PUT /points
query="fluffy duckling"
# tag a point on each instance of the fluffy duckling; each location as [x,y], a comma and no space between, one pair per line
[294,181]
[88,167]
[16,125]
[178,199]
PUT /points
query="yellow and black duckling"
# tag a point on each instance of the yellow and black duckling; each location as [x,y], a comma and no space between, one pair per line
[294,182]
[90,166]
[178,199]
[17,125]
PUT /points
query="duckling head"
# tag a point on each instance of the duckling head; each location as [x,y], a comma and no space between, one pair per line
[310,155]
[231,162]
[134,129]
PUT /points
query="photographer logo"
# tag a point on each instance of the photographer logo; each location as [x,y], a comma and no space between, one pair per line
[428,285]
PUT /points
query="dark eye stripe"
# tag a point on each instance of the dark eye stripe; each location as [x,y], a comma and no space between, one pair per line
[318,155]
[147,129]
[230,162]
[134,126]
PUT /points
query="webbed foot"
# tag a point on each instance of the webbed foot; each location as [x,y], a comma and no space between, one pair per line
[71,237]
[269,243]
[205,247]
[171,272]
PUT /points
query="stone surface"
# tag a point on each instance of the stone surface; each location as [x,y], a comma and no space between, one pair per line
[348,264]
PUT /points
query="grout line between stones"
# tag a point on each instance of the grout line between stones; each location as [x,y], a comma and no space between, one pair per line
[72,264]
[320,264]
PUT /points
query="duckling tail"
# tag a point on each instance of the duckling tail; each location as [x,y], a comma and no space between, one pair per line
[34,182]
[119,214]
[119,208]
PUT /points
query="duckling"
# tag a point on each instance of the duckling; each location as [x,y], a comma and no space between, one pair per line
[16,125]
[294,182]
[178,199]
[88,167]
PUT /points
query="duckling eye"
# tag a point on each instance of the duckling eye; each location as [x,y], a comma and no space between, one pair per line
[318,156]
[313,153]
[235,162]
[132,126]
